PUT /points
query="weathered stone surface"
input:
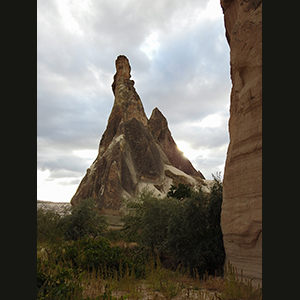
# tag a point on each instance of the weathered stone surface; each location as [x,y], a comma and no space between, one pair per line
[241,217]
[132,155]
[158,125]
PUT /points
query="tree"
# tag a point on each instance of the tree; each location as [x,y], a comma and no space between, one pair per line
[194,232]
[189,230]
[48,228]
[214,220]
[83,220]
[180,192]
[148,219]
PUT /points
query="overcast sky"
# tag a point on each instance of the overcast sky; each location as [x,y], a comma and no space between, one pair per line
[179,61]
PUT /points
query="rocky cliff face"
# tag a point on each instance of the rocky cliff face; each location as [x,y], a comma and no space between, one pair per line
[241,217]
[134,152]
[158,126]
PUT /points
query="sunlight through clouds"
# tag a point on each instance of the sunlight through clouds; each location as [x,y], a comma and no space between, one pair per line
[151,45]
[209,121]
[67,18]
[191,153]
[70,11]
[213,10]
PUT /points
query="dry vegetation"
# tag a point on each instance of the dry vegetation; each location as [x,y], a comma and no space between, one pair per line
[168,249]
[158,283]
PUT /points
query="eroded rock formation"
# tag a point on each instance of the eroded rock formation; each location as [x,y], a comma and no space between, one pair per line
[158,126]
[241,217]
[134,152]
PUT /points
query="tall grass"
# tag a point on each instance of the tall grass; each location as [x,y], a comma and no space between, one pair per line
[59,278]
[237,287]
[78,259]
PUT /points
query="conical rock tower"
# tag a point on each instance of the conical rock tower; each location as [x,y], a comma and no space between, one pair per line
[134,152]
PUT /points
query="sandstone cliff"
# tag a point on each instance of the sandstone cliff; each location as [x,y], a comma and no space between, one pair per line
[241,217]
[134,152]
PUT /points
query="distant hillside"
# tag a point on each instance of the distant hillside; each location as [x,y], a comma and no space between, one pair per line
[59,207]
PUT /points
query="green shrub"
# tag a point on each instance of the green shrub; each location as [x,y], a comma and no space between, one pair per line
[56,281]
[48,226]
[91,253]
[95,254]
[180,192]
[148,219]
[194,232]
[188,229]
[83,220]
[137,258]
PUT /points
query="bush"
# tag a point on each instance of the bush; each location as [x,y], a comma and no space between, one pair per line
[83,220]
[56,281]
[194,232]
[48,226]
[188,229]
[92,253]
[148,220]
[180,192]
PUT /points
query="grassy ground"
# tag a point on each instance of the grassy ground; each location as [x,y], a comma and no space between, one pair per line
[164,284]
[157,283]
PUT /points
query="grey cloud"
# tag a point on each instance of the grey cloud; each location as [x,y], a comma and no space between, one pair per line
[64,166]
[209,137]
[132,19]
[187,80]
[189,77]
[70,182]
[209,166]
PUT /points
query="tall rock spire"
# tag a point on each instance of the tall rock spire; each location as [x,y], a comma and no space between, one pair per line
[132,153]
[123,70]
[127,104]
[126,98]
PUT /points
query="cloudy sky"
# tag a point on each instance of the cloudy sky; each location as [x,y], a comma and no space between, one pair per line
[179,61]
